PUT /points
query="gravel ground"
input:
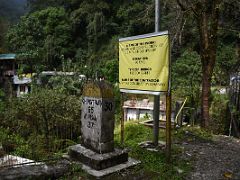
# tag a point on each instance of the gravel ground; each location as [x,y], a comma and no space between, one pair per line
[213,160]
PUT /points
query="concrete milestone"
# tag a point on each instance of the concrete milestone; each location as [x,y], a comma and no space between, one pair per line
[97,127]
[97,117]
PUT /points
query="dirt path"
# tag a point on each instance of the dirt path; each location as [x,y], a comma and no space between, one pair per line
[214,160]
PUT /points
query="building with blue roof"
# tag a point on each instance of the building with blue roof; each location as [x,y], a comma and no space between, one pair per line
[7,71]
[7,56]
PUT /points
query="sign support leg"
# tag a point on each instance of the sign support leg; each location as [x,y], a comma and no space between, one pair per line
[156,97]
[122,119]
[168,126]
[156,120]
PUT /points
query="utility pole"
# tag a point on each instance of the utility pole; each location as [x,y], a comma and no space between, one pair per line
[157,15]
[156,97]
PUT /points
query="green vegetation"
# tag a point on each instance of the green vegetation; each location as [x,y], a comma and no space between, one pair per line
[41,124]
[81,36]
[55,33]
[186,76]
[220,117]
[192,133]
[42,38]
[154,162]
[10,12]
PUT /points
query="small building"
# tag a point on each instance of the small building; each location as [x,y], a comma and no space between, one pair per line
[8,64]
[22,85]
[44,76]
[138,109]
[7,71]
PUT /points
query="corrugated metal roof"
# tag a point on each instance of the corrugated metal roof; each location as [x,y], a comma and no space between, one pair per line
[142,104]
[24,80]
[7,56]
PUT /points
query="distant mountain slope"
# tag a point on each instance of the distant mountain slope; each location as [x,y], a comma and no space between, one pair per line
[12,10]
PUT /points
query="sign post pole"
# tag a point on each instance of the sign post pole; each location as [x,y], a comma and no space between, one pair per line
[122,119]
[157,15]
[156,97]
[168,126]
[144,67]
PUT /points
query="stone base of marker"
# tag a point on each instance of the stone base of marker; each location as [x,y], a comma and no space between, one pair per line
[95,160]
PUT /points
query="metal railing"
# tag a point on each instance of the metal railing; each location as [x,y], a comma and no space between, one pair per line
[234,104]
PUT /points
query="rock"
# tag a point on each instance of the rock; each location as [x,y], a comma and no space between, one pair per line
[228,175]
[33,172]
[180,171]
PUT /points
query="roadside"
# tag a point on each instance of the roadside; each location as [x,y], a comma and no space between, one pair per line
[212,158]
[196,155]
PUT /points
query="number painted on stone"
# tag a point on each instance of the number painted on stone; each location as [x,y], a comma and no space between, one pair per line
[108,106]
[90,124]
[90,109]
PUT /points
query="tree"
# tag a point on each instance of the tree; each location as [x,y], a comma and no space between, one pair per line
[43,38]
[12,10]
[226,60]
[186,76]
[207,18]
[212,18]
[37,5]
[3,30]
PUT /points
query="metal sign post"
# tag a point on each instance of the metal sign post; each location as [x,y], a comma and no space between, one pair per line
[168,126]
[156,97]
[144,68]
[157,15]
[122,119]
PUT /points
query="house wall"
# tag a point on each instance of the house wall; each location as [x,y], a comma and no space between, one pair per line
[146,113]
[134,114]
[131,114]
[21,92]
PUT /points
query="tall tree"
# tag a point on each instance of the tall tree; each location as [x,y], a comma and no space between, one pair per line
[37,5]
[207,17]
[3,29]
[216,21]
[12,10]
[43,37]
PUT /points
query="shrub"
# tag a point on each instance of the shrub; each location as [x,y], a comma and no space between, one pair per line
[218,110]
[45,119]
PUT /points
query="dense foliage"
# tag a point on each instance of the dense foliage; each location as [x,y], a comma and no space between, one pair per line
[42,38]
[89,40]
[12,9]
[84,34]
[44,122]
[60,31]
[10,12]
[153,163]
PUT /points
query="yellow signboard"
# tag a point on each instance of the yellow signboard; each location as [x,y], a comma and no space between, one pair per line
[144,63]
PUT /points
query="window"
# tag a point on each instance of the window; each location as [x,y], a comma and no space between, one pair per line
[22,88]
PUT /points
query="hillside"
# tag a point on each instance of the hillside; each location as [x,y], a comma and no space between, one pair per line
[12,9]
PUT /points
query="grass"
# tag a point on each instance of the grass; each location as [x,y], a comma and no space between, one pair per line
[152,162]
[191,133]
[75,173]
